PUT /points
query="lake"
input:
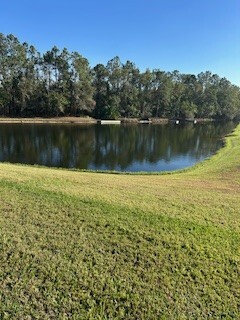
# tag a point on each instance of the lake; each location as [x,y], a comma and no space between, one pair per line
[140,147]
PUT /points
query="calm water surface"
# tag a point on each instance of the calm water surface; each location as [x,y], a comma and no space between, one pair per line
[111,147]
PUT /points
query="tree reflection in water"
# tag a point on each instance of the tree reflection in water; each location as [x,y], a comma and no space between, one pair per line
[111,147]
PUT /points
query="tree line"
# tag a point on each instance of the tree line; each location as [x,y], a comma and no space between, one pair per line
[62,83]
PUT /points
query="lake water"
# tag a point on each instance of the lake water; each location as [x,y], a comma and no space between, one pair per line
[144,147]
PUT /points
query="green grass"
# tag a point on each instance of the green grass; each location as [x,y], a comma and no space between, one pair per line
[83,245]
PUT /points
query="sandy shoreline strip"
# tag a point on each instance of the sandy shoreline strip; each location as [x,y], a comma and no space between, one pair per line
[89,120]
[77,120]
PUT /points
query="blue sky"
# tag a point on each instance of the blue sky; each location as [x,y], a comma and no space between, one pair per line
[186,35]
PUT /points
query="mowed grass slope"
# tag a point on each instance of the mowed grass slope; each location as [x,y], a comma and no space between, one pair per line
[81,245]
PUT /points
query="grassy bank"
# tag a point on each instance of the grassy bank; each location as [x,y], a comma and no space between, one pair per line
[76,120]
[80,245]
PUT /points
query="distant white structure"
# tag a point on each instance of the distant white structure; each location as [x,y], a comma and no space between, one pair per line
[177,121]
[195,121]
[145,121]
[110,121]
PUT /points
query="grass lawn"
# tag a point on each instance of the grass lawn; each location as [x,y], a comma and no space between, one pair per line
[82,245]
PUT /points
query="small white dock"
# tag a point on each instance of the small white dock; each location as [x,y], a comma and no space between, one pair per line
[110,121]
[145,121]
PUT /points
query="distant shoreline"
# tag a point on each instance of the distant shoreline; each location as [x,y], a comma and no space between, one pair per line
[77,120]
[89,120]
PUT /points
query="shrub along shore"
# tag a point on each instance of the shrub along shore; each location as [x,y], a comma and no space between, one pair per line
[84,245]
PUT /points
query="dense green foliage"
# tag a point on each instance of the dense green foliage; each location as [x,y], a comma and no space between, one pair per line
[62,83]
[81,245]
